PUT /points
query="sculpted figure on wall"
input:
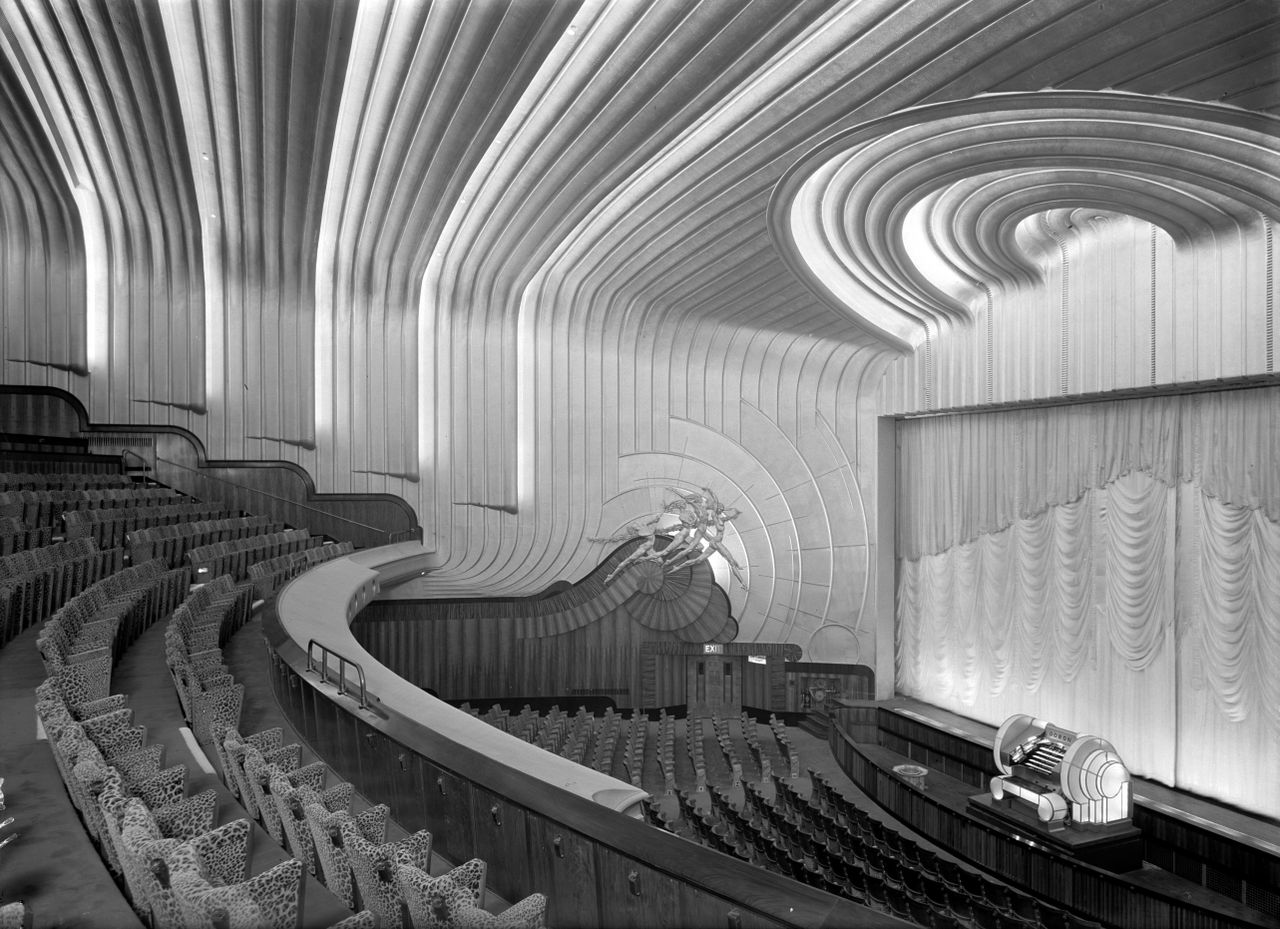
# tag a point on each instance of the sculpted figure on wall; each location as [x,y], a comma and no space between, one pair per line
[694,537]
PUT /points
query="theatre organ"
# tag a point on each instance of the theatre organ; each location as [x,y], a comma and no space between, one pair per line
[1062,776]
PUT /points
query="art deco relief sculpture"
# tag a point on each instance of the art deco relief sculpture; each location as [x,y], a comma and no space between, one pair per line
[696,535]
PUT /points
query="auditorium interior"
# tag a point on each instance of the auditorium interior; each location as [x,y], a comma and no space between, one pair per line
[639,463]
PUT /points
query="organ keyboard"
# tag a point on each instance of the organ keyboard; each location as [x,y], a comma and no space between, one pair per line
[1063,776]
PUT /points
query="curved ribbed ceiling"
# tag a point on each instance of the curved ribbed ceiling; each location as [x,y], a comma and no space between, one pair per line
[971,171]
[512,259]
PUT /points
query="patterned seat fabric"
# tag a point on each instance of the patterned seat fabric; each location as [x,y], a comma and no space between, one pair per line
[270,900]
[529,913]
[16,916]
[216,707]
[287,758]
[326,832]
[362,920]
[434,901]
[374,867]
[258,773]
[178,877]
[291,801]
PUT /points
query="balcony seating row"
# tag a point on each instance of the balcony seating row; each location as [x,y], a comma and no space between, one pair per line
[173,542]
[176,867]
[234,557]
[108,616]
[108,526]
[16,536]
[46,507]
[36,582]
[270,575]
[179,870]
[312,821]
[62,479]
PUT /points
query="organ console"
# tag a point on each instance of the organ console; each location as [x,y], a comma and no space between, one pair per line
[1064,777]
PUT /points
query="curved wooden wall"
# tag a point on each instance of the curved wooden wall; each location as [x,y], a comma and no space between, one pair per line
[483,793]
[584,639]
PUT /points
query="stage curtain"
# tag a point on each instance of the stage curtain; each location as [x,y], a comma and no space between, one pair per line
[968,475]
[1117,573]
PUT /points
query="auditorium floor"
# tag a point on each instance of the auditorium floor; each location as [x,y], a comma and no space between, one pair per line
[52,866]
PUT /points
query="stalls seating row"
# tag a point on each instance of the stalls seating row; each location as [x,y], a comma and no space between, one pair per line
[790,758]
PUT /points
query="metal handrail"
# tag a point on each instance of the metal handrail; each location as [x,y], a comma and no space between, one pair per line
[124,458]
[325,652]
[390,534]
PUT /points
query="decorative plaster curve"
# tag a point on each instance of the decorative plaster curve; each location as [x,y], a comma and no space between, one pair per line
[838,215]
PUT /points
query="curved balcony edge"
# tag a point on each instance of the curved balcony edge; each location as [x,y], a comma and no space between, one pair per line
[544,824]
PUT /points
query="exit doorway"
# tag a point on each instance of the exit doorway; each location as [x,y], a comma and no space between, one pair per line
[714,685]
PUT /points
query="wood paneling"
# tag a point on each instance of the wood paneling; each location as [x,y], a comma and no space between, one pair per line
[940,815]
[1171,841]
[513,647]
[498,825]
[563,863]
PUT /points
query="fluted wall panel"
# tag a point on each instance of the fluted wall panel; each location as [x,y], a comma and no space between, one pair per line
[260,164]
[527,263]
[42,296]
[434,84]
[99,74]
[1118,306]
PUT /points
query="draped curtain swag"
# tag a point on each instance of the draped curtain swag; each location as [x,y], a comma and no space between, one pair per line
[1113,567]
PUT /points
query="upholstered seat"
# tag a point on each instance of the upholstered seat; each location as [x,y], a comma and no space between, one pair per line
[187,894]
[266,741]
[223,853]
[286,757]
[258,772]
[326,832]
[434,901]
[529,913]
[291,801]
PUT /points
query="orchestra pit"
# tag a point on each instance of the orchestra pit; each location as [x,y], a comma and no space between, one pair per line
[639,463]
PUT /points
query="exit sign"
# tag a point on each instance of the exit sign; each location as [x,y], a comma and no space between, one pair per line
[710,649]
